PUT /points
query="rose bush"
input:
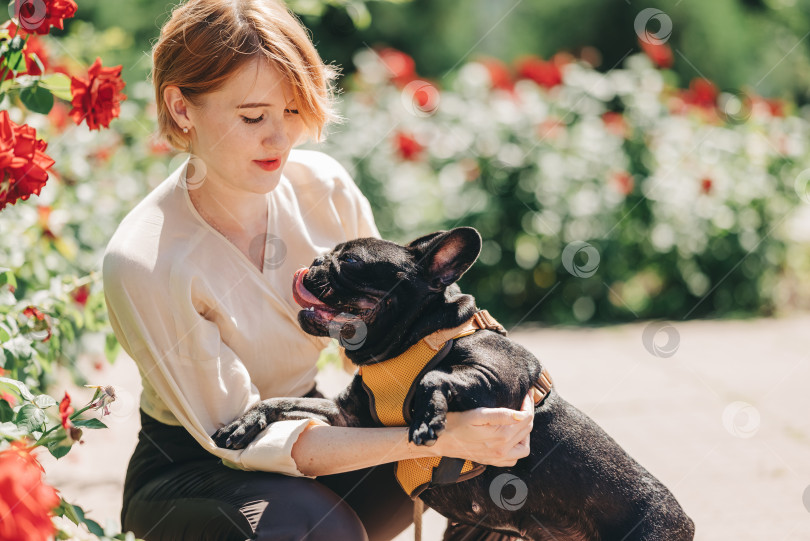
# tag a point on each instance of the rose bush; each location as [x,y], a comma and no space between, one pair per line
[45,309]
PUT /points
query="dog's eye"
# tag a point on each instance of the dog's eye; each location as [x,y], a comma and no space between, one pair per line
[349,259]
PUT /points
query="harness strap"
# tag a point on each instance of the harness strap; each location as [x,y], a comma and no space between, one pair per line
[480,320]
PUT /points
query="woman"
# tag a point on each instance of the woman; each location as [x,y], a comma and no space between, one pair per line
[197,279]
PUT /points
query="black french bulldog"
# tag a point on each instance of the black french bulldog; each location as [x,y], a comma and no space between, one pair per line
[581,484]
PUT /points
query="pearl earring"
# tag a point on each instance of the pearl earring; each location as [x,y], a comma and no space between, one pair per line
[185,130]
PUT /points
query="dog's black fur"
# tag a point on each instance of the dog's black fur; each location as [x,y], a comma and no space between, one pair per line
[581,484]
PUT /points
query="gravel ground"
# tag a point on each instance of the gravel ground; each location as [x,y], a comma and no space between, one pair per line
[719,415]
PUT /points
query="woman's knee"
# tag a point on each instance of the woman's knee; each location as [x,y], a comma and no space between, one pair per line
[308,511]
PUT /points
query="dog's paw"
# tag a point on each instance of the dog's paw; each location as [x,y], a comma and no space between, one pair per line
[241,432]
[427,432]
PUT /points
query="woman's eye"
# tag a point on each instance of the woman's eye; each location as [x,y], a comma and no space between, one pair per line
[293,111]
[252,120]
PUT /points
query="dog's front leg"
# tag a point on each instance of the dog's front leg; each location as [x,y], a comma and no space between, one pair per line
[242,431]
[430,406]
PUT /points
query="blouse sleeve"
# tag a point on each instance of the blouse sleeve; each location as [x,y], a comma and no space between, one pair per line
[353,206]
[182,356]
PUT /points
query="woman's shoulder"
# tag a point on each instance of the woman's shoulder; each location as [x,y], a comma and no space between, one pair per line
[158,229]
[315,170]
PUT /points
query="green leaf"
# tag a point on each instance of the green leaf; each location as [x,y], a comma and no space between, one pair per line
[58,84]
[88,423]
[111,347]
[68,511]
[17,43]
[11,431]
[37,99]
[7,277]
[92,525]
[30,418]
[44,401]
[6,413]
[58,443]
[17,387]
[19,347]
[358,13]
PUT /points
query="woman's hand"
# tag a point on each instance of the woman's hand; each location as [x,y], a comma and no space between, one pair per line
[495,436]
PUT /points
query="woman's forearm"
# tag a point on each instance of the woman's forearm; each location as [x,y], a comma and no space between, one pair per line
[324,450]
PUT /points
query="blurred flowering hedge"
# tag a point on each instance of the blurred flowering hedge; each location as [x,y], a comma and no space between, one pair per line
[51,307]
[671,201]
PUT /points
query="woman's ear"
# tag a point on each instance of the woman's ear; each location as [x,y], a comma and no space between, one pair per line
[177,106]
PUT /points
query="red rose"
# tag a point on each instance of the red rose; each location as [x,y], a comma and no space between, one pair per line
[38,16]
[615,123]
[34,313]
[408,147]
[97,98]
[80,295]
[701,93]
[623,182]
[498,73]
[401,66]
[660,54]
[545,74]
[25,499]
[706,185]
[65,410]
[23,162]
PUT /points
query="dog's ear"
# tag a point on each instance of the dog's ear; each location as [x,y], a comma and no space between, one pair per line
[423,240]
[446,255]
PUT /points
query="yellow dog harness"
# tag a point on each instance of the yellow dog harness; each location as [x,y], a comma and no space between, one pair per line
[391,384]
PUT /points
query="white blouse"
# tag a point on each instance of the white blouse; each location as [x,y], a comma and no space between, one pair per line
[211,334]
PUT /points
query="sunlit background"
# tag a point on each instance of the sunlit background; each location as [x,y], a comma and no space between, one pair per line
[624,161]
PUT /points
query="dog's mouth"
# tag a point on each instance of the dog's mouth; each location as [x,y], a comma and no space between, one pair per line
[315,308]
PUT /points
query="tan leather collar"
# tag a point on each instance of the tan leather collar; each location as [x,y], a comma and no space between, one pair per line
[542,387]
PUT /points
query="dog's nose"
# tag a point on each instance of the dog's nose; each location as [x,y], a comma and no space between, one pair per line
[318,261]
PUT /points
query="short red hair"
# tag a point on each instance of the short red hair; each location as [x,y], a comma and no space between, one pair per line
[205,41]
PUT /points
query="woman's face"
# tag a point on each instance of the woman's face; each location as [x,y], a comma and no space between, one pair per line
[251,120]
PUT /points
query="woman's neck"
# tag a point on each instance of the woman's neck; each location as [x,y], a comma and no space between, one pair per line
[235,215]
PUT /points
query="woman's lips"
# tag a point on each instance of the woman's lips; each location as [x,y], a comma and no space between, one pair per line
[303,297]
[268,165]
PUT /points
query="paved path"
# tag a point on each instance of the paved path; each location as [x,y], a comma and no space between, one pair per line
[723,421]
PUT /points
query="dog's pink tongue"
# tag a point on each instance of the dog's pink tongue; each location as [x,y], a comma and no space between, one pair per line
[301,294]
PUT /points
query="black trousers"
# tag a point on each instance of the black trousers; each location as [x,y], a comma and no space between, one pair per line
[175,490]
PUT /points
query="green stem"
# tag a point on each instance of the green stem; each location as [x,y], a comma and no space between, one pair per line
[5,68]
[72,417]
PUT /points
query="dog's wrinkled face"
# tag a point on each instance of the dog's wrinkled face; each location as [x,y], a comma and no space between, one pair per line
[367,289]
